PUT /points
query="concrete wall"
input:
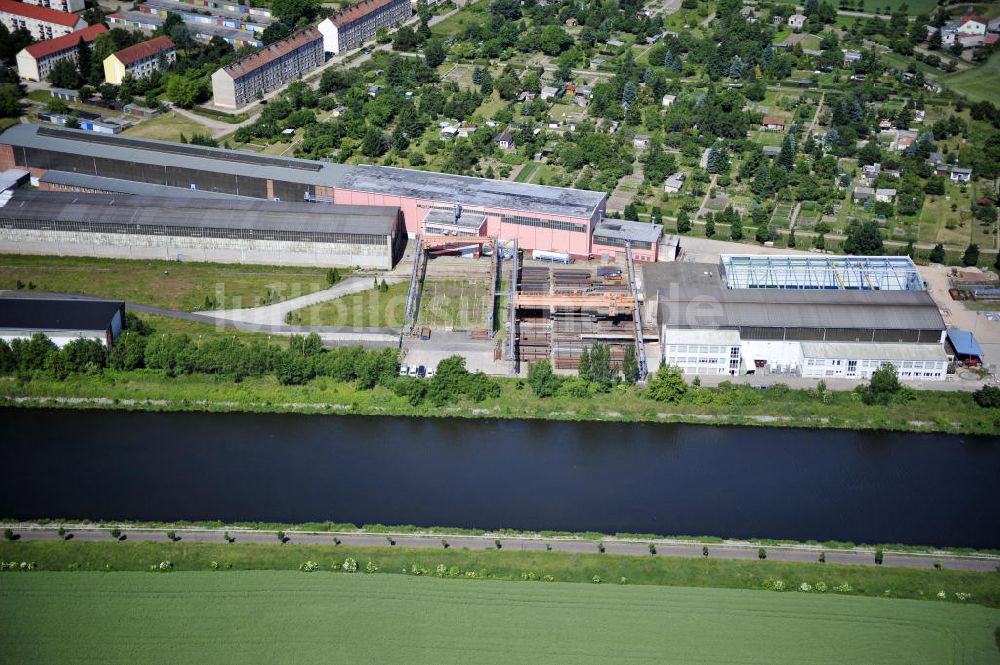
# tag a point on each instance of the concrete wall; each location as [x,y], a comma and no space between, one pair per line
[219,250]
[924,370]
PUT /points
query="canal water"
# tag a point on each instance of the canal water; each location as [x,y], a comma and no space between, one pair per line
[923,489]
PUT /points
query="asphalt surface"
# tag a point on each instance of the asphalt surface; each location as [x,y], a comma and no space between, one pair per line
[671,548]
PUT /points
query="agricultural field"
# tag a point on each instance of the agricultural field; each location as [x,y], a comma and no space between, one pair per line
[166,127]
[366,309]
[326,617]
[978,84]
[170,284]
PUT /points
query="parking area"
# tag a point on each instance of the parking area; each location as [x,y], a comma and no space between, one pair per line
[478,354]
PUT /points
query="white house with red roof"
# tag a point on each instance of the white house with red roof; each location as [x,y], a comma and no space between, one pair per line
[971,25]
[36,61]
[43,23]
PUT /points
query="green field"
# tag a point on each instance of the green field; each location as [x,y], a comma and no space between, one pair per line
[169,284]
[323,617]
[365,309]
[167,127]
[979,84]
[914,7]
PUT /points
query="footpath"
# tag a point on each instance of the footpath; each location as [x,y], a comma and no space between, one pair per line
[730,549]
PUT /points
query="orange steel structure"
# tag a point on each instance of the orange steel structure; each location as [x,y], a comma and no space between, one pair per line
[613,302]
[432,242]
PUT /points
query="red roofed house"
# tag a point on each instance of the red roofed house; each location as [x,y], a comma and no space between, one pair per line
[139,60]
[972,25]
[43,23]
[36,61]
[350,28]
[773,124]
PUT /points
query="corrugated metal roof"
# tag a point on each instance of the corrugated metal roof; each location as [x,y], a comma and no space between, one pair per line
[67,179]
[166,153]
[876,351]
[767,308]
[57,314]
[242,213]
[473,191]
[965,343]
[629,230]
[442,187]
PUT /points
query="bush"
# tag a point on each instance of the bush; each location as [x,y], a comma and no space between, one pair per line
[822,557]
[498,543]
[444,543]
[171,536]
[281,536]
[652,549]
[878,556]
[762,553]
[116,533]
[600,547]
[704,551]
[8,534]
[987,397]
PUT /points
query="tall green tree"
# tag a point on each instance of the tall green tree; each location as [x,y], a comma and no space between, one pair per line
[864,239]
[630,365]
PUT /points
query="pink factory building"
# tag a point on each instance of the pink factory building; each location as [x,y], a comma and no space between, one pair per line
[552,219]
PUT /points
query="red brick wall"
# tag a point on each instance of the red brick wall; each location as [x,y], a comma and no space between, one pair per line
[6,157]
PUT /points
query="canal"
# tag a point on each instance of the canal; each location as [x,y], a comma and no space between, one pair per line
[926,489]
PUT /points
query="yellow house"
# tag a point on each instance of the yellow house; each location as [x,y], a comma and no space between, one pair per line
[140,60]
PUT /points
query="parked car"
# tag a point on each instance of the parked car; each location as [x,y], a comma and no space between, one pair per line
[421,371]
[404,370]
[412,371]
[430,372]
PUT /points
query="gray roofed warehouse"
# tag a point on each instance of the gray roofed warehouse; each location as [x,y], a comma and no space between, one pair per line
[231,230]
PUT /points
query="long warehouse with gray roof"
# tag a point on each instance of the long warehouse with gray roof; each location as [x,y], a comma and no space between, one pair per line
[229,230]
[538,217]
[817,320]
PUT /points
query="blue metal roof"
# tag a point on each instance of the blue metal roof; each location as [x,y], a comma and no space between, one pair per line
[965,343]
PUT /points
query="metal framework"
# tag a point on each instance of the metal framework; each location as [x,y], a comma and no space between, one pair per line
[613,302]
[862,273]
[640,346]
[453,242]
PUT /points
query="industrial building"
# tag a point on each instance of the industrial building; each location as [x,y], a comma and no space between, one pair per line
[538,217]
[62,320]
[34,62]
[231,230]
[43,23]
[815,316]
[237,84]
[348,29]
[140,60]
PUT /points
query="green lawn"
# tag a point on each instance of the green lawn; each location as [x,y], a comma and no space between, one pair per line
[472,14]
[461,305]
[168,284]
[980,83]
[323,617]
[166,127]
[527,172]
[365,309]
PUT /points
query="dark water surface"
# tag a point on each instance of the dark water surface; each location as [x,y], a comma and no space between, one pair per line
[924,489]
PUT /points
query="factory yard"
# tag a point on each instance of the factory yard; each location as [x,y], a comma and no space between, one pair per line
[324,617]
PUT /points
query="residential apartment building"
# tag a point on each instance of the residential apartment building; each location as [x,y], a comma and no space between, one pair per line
[139,60]
[236,85]
[352,27]
[60,5]
[36,61]
[202,31]
[43,23]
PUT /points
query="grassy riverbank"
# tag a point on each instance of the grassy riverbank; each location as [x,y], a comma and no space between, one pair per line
[332,529]
[490,563]
[940,411]
[323,617]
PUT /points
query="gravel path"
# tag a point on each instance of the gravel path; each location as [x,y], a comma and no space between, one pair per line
[666,547]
